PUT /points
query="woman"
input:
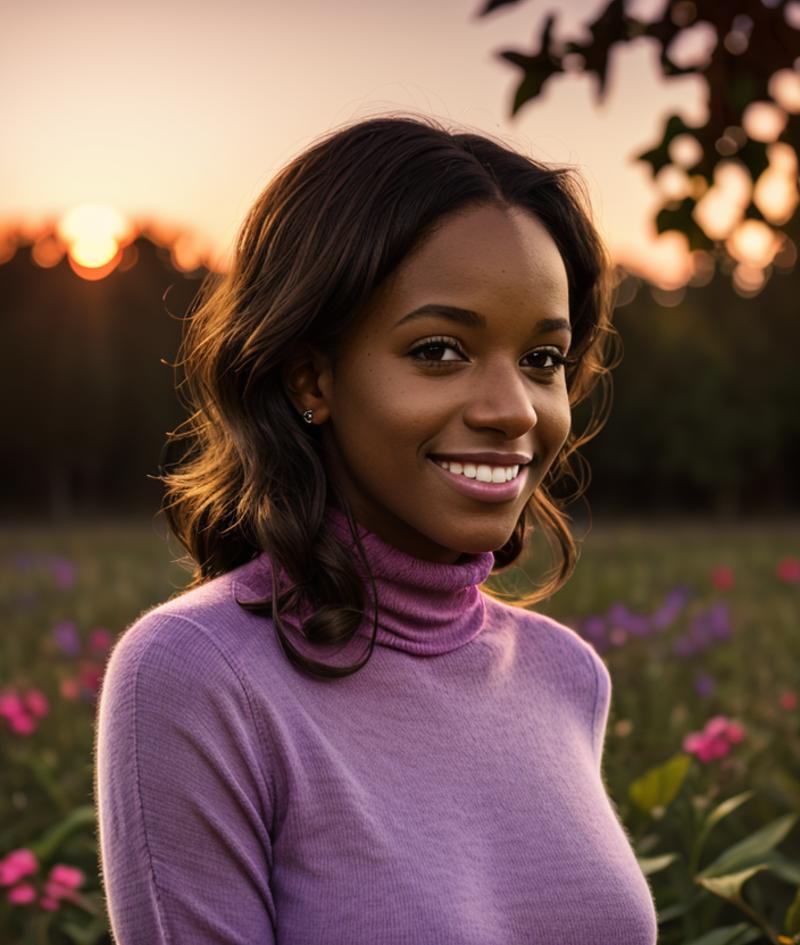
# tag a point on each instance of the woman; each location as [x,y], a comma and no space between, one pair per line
[334,735]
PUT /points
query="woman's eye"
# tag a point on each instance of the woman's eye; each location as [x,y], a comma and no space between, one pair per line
[436,351]
[555,357]
[444,350]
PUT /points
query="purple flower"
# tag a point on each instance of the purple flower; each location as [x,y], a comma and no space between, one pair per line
[719,621]
[673,604]
[619,615]
[704,685]
[63,571]
[639,625]
[65,634]
[594,627]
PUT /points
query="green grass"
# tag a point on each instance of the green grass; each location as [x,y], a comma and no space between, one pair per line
[124,567]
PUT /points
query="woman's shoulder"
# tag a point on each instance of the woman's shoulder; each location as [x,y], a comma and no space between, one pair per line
[188,627]
[546,637]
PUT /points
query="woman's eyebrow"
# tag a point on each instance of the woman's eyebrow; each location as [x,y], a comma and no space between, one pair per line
[465,316]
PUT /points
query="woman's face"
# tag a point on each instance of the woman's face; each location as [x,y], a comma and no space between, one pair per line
[455,359]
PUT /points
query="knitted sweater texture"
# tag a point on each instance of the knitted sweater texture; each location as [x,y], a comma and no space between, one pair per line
[448,793]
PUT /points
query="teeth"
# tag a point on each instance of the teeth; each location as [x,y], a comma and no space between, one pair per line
[482,472]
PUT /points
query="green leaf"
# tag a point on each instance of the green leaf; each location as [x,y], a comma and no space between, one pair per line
[792,921]
[536,69]
[752,849]
[610,27]
[658,786]
[739,934]
[788,870]
[722,810]
[730,886]
[79,818]
[653,864]
[86,934]
[728,806]
[672,912]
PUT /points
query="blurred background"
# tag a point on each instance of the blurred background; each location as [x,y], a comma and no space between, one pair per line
[137,137]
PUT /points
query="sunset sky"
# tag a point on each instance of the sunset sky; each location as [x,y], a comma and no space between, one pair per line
[182,112]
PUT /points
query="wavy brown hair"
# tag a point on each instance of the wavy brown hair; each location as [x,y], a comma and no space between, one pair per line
[321,238]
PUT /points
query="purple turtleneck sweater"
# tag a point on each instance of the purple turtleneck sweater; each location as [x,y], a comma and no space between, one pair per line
[448,793]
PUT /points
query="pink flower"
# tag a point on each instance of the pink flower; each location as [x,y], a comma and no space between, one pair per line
[735,733]
[66,877]
[17,864]
[47,903]
[21,895]
[788,570]
[36,702]
[70,689]
[22,724]
[10,704]
[715,740]
[718,725]
[722,578]
[90,676]
[788,700]
[99,640]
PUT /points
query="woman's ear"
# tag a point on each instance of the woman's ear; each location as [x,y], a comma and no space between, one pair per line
[306,378]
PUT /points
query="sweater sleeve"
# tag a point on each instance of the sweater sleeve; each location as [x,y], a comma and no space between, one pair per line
[183,804]
[602,704]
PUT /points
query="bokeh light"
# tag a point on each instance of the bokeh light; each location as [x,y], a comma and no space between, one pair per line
[94,234]
[47,251]
[722,206]
[764,121]
[784,87]
[685,150]
[754,243]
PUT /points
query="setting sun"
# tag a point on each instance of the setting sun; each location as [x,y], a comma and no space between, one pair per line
[93,234]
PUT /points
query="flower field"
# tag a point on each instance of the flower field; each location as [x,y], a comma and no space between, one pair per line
[699,625]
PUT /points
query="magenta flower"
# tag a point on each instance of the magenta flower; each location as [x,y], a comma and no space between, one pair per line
[62,882]
[722,578]
[21,895]
[90,677]
[70,689]
[67,877]
[16,865]
[21,712]
[715,740]
[36,703]
[99,641]
[788,570]
[10,705]
[788,700]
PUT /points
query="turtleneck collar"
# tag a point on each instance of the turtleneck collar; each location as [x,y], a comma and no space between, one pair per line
[425,607]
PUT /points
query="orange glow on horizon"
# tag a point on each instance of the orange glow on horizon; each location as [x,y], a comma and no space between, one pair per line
[94,273]
[94,235]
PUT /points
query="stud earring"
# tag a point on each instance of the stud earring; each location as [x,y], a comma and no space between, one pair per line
[308,416]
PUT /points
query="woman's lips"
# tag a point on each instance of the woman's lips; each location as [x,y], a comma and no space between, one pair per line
[484,491]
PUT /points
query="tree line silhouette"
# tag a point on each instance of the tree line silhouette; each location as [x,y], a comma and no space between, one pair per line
[704,418]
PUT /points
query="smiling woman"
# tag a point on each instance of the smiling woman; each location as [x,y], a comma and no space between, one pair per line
[382,391]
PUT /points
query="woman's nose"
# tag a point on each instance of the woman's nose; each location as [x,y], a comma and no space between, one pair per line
[501,399]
